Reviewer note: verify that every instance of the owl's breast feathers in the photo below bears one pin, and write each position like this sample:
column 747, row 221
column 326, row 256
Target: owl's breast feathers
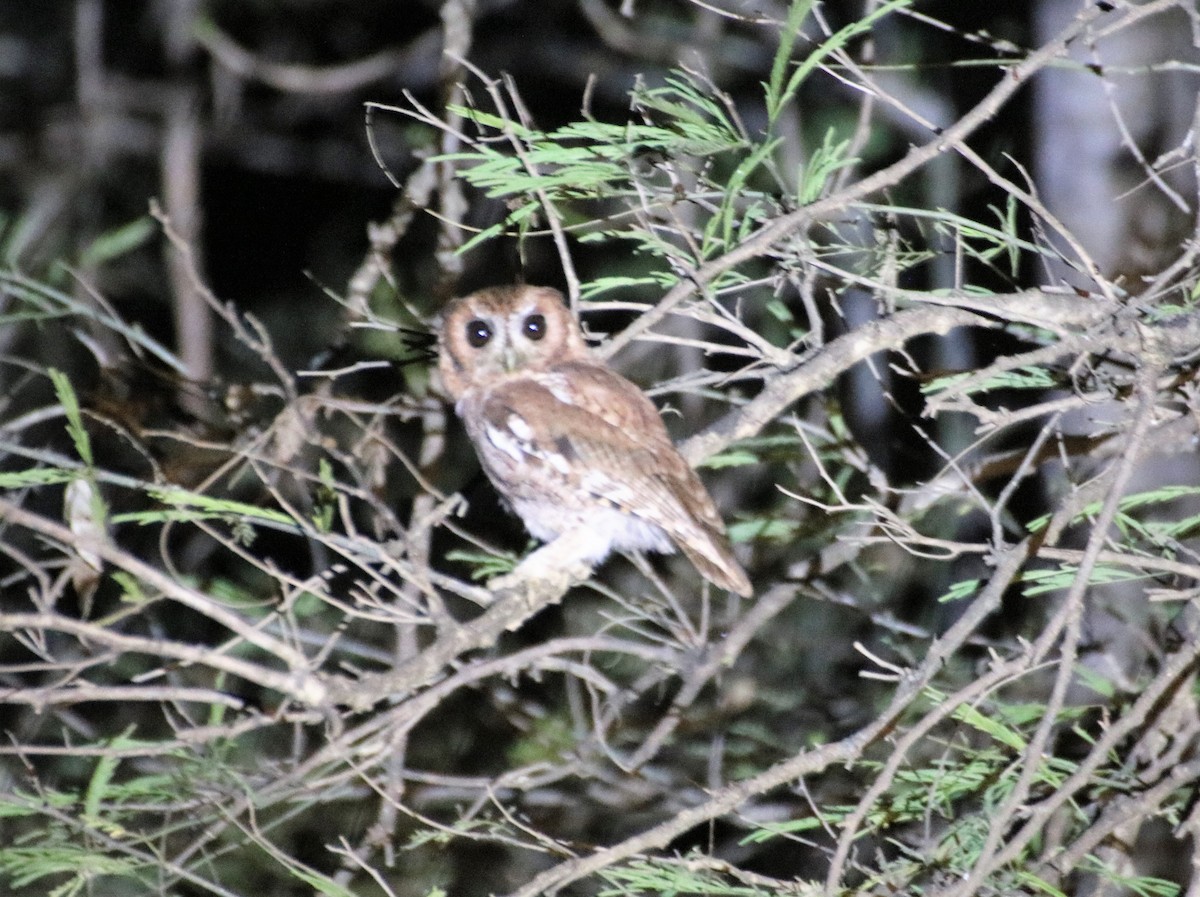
column 577, row 439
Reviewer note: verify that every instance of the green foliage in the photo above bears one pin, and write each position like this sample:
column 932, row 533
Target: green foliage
column 780, row 94
column 70, row 406
column 118, row 242
column 484, row 565
column 98, row 785
column 1141, row 885
column 36, row 302
column 184, row 505
column 966, row 588
column 676, row 877
column 588, row 161
column 325, row 503
column 71, row 838
column 550, row 738
column 1159, row 535
column 81, row 866
column 36, row 476
column 826, row 161
column 972, row 772
column 1020, row 378
column 1039, row 582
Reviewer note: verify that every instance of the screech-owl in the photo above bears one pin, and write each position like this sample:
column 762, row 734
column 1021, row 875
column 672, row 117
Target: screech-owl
column 567, row 441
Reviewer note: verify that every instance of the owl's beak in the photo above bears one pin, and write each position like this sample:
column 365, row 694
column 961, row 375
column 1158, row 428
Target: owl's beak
column 509, row 359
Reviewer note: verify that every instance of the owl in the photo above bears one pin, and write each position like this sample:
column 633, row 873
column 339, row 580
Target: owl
column 568, row 442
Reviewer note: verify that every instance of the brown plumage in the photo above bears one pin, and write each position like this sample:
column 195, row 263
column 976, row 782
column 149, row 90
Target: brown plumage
column 567, row 441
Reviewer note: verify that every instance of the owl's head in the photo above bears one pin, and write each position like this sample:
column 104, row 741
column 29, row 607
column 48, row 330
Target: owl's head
column 495, row 333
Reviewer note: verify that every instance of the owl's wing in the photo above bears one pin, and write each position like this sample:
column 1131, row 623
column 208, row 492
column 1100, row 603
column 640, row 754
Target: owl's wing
column 604, row 438
column 609, row 396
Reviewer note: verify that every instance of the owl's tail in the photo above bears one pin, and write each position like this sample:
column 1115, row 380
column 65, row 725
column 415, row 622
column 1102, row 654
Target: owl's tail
column 713, row 557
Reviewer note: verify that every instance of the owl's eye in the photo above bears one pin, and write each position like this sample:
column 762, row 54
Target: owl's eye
column 478, row 333
column 535, row 327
